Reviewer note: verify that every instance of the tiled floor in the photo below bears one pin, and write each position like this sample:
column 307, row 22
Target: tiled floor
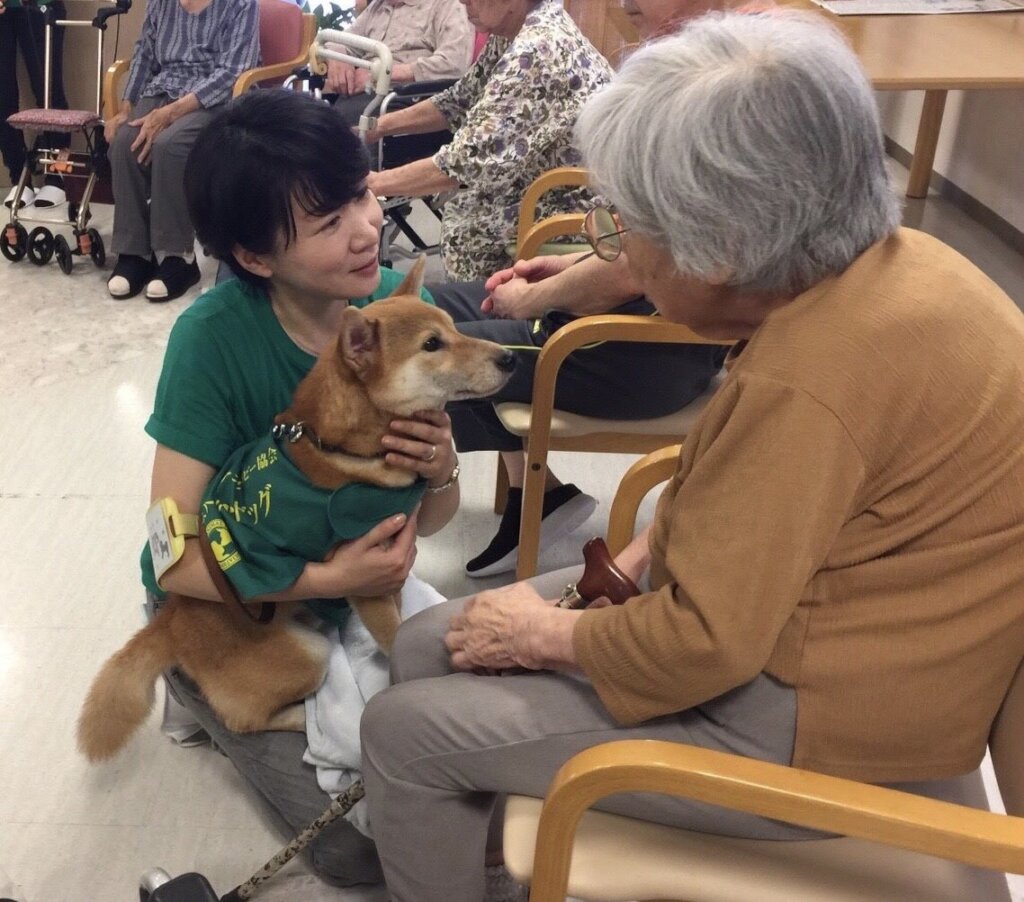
column 77, row 374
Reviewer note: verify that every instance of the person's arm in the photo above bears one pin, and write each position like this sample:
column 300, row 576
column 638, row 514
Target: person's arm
column 576, row 283
column 453, row 47
column 412, row 180
column 418, row 119
column 238, row 49
column 635, row 558
column 374, row 564
column 738, row 535
column 143, row 63
column 344, row 78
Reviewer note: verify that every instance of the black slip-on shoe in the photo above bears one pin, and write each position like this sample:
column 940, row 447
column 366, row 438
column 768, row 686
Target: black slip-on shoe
column 172, row 279
column 130, row 275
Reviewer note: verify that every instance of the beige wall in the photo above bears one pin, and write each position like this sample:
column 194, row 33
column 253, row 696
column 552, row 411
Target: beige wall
column 981, row 146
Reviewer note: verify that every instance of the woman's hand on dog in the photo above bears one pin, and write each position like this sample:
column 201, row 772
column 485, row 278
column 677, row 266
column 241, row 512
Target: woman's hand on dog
column 374, row 564
column 422, row 445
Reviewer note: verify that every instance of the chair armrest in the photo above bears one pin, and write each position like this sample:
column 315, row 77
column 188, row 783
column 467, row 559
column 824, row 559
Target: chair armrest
column 552, row 227
column 586, row 330
column 111, row 79
column 817, row 801
column 562, row 176
column 649, row 471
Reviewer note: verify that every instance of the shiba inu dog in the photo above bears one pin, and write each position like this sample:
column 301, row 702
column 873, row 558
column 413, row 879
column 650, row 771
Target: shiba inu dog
column 392, row 358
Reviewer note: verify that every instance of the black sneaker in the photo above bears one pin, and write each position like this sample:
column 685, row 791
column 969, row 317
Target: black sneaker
column 130, row 275
column 565, row 508
column 172, row 279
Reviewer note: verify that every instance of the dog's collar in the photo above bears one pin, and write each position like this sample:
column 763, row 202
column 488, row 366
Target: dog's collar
column 292, row 432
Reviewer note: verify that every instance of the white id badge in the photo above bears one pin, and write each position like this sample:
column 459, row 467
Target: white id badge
column 165, row 547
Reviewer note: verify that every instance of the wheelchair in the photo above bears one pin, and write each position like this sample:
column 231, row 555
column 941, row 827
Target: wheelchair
column 394, row 150
column 40, row 244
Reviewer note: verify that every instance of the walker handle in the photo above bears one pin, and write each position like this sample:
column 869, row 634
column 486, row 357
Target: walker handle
column 119, row 8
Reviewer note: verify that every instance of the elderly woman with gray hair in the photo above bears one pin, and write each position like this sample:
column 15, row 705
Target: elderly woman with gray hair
column 842, row 535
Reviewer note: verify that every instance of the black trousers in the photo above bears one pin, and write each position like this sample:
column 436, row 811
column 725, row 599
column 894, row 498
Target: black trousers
column 23, row 28
column 614, row 379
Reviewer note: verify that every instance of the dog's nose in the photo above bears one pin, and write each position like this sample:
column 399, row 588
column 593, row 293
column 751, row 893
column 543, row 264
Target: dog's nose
column 506, row 362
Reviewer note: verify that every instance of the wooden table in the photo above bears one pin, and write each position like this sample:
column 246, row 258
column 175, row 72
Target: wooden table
column 935, row 54
column 930, row 53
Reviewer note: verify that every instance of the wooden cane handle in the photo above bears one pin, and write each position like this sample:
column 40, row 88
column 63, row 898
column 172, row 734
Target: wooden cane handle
column 601, row 577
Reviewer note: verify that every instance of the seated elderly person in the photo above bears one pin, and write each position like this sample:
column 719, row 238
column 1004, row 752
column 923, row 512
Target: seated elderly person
column 184, row 66
column 512, row 116
column 522, row 306
column 842, row 534
column 428, row 39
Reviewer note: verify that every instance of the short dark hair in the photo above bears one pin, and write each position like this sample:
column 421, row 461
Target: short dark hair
column 264, row 149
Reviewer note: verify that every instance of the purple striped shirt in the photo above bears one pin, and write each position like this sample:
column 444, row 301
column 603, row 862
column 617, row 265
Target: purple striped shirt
column 202, row 53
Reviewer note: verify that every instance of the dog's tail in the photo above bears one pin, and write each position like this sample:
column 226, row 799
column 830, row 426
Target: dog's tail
column 121, row 696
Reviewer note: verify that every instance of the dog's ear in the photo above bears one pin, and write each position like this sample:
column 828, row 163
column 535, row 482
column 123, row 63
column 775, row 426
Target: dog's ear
column 413, row 281
column 359, row 342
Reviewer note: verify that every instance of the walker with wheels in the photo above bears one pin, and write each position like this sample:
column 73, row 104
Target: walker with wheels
column 40, row 244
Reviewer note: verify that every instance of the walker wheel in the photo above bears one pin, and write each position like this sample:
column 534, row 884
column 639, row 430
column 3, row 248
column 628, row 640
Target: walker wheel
column 63, row 252
column 13, row 241
column 40, row 245
column 96, row 250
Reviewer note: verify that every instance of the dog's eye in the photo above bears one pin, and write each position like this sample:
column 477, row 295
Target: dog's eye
column 433, row 344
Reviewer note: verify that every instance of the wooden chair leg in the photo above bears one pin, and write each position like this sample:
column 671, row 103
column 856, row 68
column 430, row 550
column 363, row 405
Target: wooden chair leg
column 501, row 486
column 533, row 509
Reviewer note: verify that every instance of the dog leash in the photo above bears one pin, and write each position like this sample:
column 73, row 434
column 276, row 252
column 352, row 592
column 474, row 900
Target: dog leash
column 339, row 807
column 225, row 589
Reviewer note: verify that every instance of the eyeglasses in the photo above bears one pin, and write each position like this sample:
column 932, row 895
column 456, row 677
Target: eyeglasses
column 601, row 229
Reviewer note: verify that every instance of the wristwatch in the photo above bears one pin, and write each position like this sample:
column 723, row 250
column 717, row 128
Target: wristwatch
column 454, row 478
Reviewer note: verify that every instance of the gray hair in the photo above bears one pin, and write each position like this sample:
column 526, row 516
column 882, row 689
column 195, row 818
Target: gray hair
column 749, row 147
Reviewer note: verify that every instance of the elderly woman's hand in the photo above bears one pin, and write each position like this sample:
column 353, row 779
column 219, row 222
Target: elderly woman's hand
column 149, row 127
column 345, row 79
column 511, row 627
column 513, row 292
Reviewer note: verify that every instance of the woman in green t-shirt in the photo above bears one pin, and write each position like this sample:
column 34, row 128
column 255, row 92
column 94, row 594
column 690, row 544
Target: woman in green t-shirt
column 276, row 188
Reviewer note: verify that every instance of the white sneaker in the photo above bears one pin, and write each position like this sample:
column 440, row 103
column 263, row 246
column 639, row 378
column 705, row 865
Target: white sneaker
column 50, row 196
column 28, row 196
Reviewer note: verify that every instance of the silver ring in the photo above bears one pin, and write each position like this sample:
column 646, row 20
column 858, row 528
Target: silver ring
column 432, row 455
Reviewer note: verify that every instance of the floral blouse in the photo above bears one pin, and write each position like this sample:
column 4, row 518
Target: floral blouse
column 513, row 114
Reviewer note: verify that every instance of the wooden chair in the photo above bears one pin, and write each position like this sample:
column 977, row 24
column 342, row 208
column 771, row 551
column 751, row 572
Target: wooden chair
column 545, row 429
column 894, row 846
column 285, row 35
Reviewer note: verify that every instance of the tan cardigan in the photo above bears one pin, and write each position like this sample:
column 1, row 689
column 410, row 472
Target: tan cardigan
column 848, row 517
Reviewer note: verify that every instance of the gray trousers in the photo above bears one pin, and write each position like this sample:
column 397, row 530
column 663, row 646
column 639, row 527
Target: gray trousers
column 440, row 748
column 150, row 213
